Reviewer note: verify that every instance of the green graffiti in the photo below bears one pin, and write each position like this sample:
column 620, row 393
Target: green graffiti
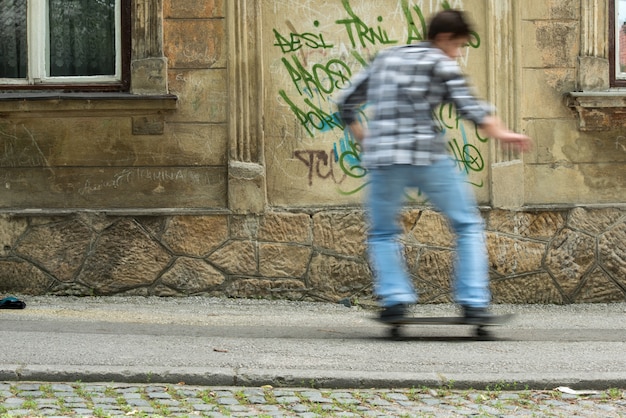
column 296, row 41
column 316, row 82
column 414, row 34
column 322, row 78
column 366, row 35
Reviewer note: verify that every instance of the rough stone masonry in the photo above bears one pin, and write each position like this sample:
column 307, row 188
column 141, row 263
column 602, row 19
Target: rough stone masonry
column 540, row 256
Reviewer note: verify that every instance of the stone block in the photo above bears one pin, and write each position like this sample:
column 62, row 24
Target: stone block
column 550, row 9
column 117, row 187
column 124, row 257
column 202, row 95
column 552, row 137
column 237, row 257
column 550, row 43
column 612, row 252
column 285, row 227
column 436, row 268
column 408, row 219
column 11, row 228
column 178, row 9
column 340, row 232
column 606, row 183
column 567, row 184
column 593, row 74
column 246, row 187
column 429, row 293
column 149, row 76
column 599, row 288
column 58, row 247
column 270, row 289
column 283, row 260
column 195, row 235
column 507, row 184
column 546, row 86
column 333, row 278
column 432, row 229
column 190, row 276
column 148, row 125
column 536, row 225
column 49, row 142
column 594, row 221
column 195, row 43
column 511, row 256
column 570, row 256
column 244, row 227
column 194, row 144
column 536, row 288
column 22, row 277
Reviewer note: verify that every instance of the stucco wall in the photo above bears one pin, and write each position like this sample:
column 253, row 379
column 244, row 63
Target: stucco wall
column 311, row 50
column 225, row 172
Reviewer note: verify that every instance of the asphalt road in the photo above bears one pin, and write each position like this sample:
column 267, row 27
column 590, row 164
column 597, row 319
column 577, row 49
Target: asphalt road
column 210, row 341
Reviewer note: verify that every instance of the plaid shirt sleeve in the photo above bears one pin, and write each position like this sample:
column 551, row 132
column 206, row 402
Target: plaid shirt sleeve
column 458, row 92
column 350, row 102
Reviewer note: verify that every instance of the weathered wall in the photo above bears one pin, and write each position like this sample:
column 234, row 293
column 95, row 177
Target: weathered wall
column 311, row 51
column 568, row 166
column 246, row 185
column 536, row 256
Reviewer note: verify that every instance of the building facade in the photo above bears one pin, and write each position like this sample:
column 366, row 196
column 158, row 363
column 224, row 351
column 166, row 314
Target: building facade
column 215, row 164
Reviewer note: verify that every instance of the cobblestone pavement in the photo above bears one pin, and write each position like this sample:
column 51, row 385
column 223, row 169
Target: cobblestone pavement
column 103, row 400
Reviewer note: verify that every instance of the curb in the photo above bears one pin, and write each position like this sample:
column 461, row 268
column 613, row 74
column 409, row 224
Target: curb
column 305, row 378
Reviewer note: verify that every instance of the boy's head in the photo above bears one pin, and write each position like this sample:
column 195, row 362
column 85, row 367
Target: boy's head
column 450, row 32
column 449, row 21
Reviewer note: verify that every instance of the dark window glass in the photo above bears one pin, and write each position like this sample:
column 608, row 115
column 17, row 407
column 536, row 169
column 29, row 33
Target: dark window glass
column 82, row 37
column 13, row 39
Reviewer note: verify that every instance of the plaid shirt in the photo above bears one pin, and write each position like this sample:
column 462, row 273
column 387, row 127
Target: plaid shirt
column 405, row 85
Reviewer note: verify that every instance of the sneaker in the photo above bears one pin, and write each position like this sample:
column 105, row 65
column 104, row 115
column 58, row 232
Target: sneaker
column 477, row 316
column 393, row 313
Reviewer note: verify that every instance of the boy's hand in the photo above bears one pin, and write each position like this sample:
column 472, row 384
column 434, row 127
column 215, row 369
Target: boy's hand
column 518, row 141
column 357, row 130
column 494, row 128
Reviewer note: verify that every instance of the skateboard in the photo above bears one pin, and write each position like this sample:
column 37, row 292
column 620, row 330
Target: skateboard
column 480, row 329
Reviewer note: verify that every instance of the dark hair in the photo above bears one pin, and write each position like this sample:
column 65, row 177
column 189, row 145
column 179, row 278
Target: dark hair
column 449, row 21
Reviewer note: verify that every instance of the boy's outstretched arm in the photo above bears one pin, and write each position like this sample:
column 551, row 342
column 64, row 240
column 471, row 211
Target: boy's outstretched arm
column 493, row 127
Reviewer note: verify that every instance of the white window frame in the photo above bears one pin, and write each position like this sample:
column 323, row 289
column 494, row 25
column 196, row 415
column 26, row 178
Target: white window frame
column 39, row 50
column 619, row 19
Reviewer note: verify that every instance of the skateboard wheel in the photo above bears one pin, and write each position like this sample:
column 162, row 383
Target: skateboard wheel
column 482, row 333
column 394, row 332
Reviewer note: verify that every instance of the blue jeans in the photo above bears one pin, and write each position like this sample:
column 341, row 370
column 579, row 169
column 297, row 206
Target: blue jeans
column 446, row 189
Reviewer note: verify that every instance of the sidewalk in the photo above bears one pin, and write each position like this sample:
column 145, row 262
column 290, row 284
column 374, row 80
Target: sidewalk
column 229, row 342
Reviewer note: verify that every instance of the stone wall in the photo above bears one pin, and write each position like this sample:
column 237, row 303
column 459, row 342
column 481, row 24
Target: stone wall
column 547, row 256
column 224, row 171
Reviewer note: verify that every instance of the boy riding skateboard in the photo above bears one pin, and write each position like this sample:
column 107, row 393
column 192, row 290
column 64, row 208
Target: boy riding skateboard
column 403, row 147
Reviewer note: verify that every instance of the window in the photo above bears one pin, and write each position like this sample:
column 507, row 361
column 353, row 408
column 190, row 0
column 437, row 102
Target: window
column 617, row 42
column 64, row 44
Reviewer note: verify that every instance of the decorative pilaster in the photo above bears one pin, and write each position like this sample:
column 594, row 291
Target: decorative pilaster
column 148, row 65
column 593, row 28
column 593, row 62
column 507, row 169
column 246, row 172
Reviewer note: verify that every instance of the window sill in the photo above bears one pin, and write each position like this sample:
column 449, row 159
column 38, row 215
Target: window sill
column 599, row 110
column 33, row 104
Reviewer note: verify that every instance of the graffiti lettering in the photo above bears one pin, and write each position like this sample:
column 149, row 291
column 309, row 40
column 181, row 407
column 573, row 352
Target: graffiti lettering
column 413, row 33
column 315, row 119
column 316, row 81
column 322, row 78
column 467, row 156
column 316, row 160
column 295, row 41
column 350, row 161
column 365, row 34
